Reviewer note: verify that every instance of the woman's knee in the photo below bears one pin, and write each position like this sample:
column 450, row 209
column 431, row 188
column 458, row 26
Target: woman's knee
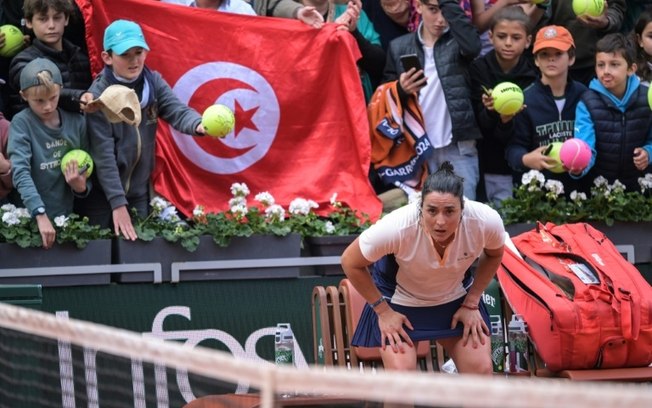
column 399, row 361
column 474, row 363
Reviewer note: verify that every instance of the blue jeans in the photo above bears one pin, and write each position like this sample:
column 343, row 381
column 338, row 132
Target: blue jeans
column 464, row 158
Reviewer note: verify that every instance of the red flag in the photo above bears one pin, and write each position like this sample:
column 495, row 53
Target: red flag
column 301, row 124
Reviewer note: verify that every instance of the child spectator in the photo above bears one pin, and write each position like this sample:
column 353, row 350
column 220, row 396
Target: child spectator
column 48, row 19
column 445, row 43
column 510, row 36
column 643, row 32
column 482, row 14
column 39, row 136
column 613, row 116
column 124, row 154
column 550, row 102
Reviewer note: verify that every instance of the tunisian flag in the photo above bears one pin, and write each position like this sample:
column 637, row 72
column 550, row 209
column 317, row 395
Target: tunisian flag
column 301, row 127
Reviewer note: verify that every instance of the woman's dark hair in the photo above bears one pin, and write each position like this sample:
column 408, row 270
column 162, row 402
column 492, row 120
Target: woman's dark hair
column 643, row 69
column 444, row 180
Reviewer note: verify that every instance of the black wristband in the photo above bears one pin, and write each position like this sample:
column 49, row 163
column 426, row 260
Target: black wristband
column 378, row 302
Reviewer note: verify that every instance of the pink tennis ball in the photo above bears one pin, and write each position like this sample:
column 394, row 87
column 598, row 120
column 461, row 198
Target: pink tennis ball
column 575, row 154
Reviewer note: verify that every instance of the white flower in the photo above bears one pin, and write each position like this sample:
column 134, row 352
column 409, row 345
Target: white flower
column 334, row 199
column 330, row 228
column 170, row 214
column 265, row 198
column 8, row 208
column 531, row 175
column 645, row 182
column 238, row 202
column 239, row 190
column 239, row 210
column 159, row 204
column 10, row 218
column 301, row 206
column 600, row 181
column 555, row 186
column 618, row 187
column 198, row 211
column 22, row 213
column 575, row 196
column 61, row 221
column 275, row 213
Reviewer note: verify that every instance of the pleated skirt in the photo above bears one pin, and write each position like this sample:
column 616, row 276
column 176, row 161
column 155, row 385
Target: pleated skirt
column 429, row 322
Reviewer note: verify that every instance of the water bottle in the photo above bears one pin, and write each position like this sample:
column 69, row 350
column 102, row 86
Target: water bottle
column 284, row 344
column 497, row 344
column 518, row 344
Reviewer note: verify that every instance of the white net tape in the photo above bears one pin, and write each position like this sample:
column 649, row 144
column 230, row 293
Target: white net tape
column 431, row 389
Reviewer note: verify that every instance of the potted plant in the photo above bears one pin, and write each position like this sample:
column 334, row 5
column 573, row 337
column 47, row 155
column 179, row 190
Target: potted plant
column 77, row 243
column 622, row 215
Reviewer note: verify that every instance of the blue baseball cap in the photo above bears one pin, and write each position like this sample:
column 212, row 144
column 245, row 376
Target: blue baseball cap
column 29, row 74
column 121, row 35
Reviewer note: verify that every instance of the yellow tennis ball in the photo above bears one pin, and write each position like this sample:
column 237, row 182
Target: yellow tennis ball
column 83, row 159
column 649, row 96
column 554, row 153
column 13, row 40
column 537, row 1
column 508, row 98
column 593, row 8
column 218, row 120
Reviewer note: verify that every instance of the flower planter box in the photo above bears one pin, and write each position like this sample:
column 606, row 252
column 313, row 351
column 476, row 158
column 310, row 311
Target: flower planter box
column 328, row 246
column 167, row 253
column 18, row 263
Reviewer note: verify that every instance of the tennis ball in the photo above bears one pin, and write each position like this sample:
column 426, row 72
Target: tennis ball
column 13, row 40
column 649, row 96
column 82, row 158
column 554, row 153
column 537, row 1
column 508, row 98
column 593, row 8
column 575, row 154
column 218, row 120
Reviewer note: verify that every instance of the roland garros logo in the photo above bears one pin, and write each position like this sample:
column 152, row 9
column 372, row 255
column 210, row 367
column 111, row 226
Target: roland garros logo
column 256, row 111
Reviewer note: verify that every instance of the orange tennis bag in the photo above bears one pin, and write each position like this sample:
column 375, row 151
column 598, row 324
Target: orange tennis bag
column 585, row 305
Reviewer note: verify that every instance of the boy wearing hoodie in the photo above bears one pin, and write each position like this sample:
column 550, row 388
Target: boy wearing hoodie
column 550, row 102
column 613, row 116
column 510, row 36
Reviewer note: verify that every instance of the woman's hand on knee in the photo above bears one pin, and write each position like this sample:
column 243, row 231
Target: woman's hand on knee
column 474, row 326
column 392, row 330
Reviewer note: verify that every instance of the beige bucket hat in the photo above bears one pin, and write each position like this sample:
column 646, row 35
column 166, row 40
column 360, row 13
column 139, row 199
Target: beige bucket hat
column 120, row 104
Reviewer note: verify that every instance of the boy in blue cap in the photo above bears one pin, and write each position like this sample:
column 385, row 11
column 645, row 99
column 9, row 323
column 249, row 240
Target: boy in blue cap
column 124, row 152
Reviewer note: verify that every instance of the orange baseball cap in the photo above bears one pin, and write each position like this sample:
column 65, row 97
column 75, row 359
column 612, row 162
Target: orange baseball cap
column 553, row 37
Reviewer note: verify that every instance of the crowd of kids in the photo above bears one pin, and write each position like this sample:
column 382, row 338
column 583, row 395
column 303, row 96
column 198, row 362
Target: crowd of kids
column 588, row 81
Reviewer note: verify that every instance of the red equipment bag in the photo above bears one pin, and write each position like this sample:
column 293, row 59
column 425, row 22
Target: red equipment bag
column 585, row 305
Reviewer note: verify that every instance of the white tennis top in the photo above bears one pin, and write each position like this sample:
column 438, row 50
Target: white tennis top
column 424, row 278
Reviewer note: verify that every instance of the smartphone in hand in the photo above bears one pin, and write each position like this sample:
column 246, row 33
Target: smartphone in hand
column 410, row 61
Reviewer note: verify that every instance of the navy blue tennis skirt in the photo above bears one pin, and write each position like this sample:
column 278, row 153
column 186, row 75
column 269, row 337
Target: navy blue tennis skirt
column 429, row 322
